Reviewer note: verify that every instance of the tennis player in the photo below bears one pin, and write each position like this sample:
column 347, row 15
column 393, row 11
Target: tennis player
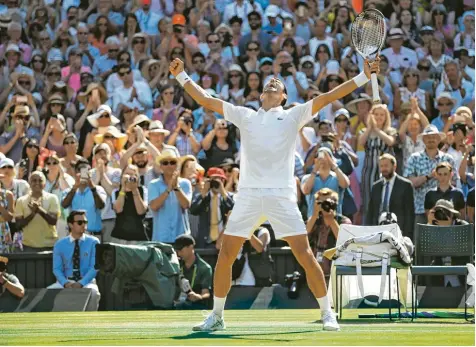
column 266, row 190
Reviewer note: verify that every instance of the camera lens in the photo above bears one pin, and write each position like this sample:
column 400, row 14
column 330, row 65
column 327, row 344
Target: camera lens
column 214, row 184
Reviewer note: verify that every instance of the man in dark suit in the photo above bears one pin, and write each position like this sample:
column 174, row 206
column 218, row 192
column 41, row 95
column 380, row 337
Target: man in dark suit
column 213, row 204
column 392, row 193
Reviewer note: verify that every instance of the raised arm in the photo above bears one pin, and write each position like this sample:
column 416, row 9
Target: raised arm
column 346, row 88
column 194, row 90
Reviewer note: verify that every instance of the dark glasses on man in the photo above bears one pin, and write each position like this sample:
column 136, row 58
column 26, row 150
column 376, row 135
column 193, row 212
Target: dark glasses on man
column 423, row 67
column 124, row 73
column 445, row 104
column 213, row 41
column 81, row 222
column 52, row 163
column 105, row 115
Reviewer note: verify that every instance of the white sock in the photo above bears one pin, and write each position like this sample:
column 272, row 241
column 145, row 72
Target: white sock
column 324, row 303
column 218, row 305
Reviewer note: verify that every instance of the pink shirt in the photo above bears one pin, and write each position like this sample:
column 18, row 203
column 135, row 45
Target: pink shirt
column 75, row 79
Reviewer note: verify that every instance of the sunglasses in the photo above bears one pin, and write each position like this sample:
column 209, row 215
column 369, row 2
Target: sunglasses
column 167, row 162
column 25, row 118
column 177, row 52
column 37, row 61
column 24, row 83
column 256, row 49
column 81, row 222
column 69, row 143
column 138, row 41
column 341, row 119
column 108, row 137
column 411, row 75
column 82, row 33
column 423, row 67
column 54, row 74
column 122, row 74
column 53, row 163
column 31, row 145
column 213, row 41
column 334, row 79
column 113, row 50
column 8, row 167
column 445, row 104
column 105, row 115
column 198, row 61
column 144, row 125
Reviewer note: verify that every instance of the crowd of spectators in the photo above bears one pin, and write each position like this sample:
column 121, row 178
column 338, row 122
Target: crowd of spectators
column 92, row 119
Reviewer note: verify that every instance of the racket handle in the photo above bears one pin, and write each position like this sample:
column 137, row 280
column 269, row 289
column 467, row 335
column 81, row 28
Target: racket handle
column 375, row 92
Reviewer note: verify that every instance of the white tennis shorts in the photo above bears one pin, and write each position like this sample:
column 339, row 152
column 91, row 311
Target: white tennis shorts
column 253, row 206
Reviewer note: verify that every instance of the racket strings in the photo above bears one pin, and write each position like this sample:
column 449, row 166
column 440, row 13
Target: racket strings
column 368, row 32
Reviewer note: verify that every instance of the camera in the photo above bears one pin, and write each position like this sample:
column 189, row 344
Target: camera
column 387, row 218
column 3, row 266
column 177, row 29
column 187, row 120
column 227, row 39
column 132, row 179
column 24, row 163
column 441, row 214
column 185, row 285
column 293, row 282
column 214, row 184
column 284, row 69
column 328, row 205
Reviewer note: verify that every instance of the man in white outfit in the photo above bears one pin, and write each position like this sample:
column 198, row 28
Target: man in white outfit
column 266, row 190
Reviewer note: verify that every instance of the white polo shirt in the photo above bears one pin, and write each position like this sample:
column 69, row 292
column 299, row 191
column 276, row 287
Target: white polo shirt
column 268, row 143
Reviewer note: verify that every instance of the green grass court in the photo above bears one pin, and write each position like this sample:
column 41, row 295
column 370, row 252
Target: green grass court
column 244, row 327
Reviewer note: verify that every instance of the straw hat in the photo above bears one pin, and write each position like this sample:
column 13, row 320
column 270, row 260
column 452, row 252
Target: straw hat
column 56, row 99
column 139, row 119
column 432, row 130
column 167, row 154
column 146, row 67
column 121, row 139
column 62, row 87
column 93, row 119
column 156, row 126
column 352, row 105
column 93, row 86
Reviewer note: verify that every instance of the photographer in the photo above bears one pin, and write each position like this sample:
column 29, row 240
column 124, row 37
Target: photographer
column 323, row 226
column 8, row 282
column 444, row 214
column 130, row 205
column 213, row 204
column 219, row 144
column 295, row 82
column 184, row 137
column 85, row 195
column 196, row 280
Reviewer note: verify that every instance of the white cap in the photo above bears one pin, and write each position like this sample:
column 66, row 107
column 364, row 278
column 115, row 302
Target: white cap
column 6, row 162
column 272, row 11
column 332, row 67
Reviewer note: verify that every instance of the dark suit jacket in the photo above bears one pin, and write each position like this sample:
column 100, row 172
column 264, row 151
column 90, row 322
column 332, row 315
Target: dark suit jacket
column 201, row 207
column 400, row 203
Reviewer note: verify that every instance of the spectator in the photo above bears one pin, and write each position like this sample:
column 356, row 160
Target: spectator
column 443, row 30
column 108, row 177
column 219, row 144
column 29, row 162
column 445, row 102
column 11, row 142
column 387, row 196
column 89, row 52
column 460, row 90
column 411, row 89
column 466, row 38
column 74, row 258
column 213, row 204
column 103, row 65
column 148, row 20
column 322, row 37
column 130, row 204
column 444, row 190
column 253, row 89
column 54, row 135
column 323, row 226
column 184, row 137
column 378, row 138
column 85, row 195
column 233, row 90
column 419, row 169
column 70, row 143
column 470, row 206
column 36, row 214
column 437, row 57
column 100, row 122
column 169, row 199
column 242, row 9
column 410, row 131
column 196, row 271
column 116, row 141
column 168, row 112
column 157, row 135
column 8, row 282
column 256, row 34
column 325, row 174
column 6, row 216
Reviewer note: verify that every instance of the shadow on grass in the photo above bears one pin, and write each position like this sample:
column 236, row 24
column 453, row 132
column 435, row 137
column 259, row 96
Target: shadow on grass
column 206, row 335
column 376, row 321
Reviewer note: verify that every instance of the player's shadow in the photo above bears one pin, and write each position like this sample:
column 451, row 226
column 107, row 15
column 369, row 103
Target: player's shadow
column 207, row 335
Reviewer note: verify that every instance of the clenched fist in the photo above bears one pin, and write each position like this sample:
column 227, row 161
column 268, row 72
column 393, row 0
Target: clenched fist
column 176, row 67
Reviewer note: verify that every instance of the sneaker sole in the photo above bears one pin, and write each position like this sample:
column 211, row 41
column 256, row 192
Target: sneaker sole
column 207, row 331
column 331, row 329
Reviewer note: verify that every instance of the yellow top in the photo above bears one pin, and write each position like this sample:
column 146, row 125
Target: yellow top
column 38, row 233
column 353, row 122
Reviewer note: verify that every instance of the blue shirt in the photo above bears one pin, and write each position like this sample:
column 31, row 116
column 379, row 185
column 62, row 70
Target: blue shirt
column 63, row 259
column 115, row 17
column 439, row 123
column 330, row 182
column 148, row 22
column 103, row 64
column 171, row 220
column 85, row 201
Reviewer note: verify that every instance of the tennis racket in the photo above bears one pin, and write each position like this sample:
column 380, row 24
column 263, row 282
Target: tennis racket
column 368, row 33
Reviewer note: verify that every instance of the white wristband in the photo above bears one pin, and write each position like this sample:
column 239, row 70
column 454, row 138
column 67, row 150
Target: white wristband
column 183, row 78
column 360, row 79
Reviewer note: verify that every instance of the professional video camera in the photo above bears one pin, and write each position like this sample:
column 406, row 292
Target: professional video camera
column 293, row 282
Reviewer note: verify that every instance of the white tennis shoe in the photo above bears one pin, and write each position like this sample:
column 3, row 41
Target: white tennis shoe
column 211, row 323
column 329, row 321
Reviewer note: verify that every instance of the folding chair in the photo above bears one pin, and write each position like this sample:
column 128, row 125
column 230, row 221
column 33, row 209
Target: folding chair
column 442, row 241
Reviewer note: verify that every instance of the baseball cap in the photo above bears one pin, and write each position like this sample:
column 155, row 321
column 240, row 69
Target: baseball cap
column 183, row 241
column 395, row 33
column 179, row 19
column 6, row 162
column 342, row 112
column 272, row 11
column 442, row 203
column 266, row 60
column 216, row 172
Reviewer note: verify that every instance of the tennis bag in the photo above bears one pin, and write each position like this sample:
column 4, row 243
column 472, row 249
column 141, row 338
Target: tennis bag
column 374, row 250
